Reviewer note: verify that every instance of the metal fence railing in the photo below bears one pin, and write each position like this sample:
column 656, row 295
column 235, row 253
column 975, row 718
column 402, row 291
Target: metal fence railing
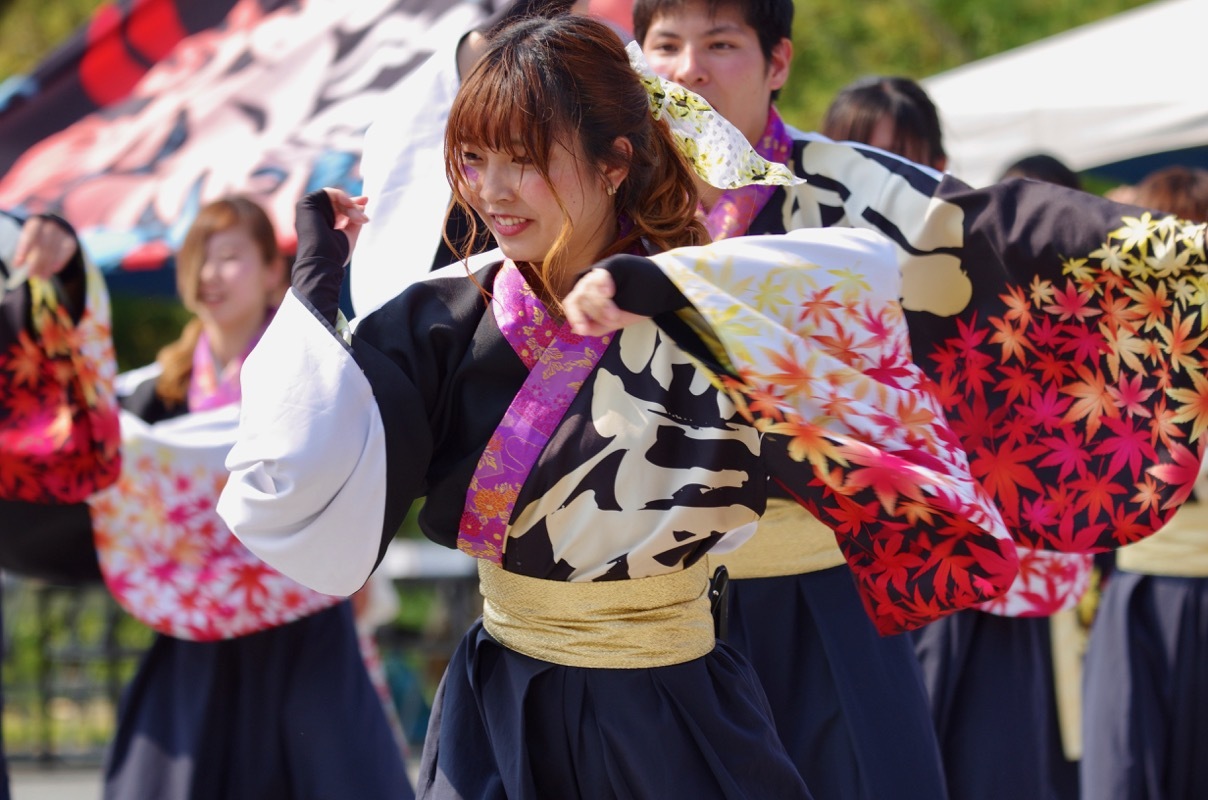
column 69, row 652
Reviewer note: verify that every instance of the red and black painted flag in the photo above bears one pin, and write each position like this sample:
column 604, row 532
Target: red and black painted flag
column 158, row 106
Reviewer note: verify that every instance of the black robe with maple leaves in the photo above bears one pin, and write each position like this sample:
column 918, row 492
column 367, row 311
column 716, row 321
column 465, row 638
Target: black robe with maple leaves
column 40, row 536
column 1055, row 378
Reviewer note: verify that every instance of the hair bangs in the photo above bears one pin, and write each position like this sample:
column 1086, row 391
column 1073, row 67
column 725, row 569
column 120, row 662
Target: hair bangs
column 507, row 105
column 217, row 217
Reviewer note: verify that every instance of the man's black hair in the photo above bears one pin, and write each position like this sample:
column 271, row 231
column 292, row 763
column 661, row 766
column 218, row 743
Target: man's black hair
column 772, row 20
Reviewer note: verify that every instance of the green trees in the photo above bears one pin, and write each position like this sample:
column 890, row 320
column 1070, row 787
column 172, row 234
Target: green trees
column 837, row 41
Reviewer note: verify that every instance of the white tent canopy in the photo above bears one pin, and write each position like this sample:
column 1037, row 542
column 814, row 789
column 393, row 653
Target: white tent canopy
column 1124, row 87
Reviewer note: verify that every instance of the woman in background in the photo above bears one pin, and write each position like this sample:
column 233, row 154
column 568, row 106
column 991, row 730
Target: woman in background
column 890, row 112
column 253, row 688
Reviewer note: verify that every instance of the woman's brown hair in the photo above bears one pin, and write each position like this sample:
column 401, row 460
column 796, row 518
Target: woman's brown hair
column 176, row 358
column 567, row 80
column 858, row 107
column 1182, row 191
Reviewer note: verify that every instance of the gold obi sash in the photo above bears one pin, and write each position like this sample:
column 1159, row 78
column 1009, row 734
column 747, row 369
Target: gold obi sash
column 626, row 624
column 788, row 541
column 1178, row 550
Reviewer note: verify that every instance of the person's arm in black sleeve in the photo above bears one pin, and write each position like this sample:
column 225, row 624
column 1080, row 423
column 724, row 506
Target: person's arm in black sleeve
column 71, row 274
column 641, row 287
column 318, row 270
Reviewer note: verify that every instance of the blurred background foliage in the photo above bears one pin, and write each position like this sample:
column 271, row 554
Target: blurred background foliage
column 835, row 42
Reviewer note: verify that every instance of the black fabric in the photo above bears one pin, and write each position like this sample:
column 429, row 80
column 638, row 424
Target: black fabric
column 990, row 680
column 641, row 287
column 1145, row 712
column 5, row 790
column 454, row 373
column 287, row 714
column 318, row 270
column 71, row 278
column 403, row 469
column 849, row 704
column 508, row 726
column 457, row 230
column 417, row 351
column 145, row 402
column 52, row 543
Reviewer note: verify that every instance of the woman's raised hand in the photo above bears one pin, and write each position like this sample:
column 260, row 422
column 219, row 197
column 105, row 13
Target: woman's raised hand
column 590, row 309
column 44, row 247
column 350, row 213
column 327, row 222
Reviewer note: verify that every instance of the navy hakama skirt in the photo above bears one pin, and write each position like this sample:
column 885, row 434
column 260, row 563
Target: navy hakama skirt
column 505, row 725
column 849, row 704
column 990, row 680
column 1145, row 718
column 287, row 713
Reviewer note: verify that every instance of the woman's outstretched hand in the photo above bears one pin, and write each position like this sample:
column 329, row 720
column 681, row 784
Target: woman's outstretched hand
column 590, row 309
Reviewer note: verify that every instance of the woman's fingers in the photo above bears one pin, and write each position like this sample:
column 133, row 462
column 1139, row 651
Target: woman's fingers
column 350, row 213
column 349, row 210
column 43, row 248
column 590, row 309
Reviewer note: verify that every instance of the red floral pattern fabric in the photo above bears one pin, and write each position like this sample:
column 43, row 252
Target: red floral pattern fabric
column 167, row 557
column 1063, row 333
column 1082, row 403
column 816, row 346
column 59, row 437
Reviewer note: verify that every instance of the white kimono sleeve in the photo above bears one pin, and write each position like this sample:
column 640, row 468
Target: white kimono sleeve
column 307, row 490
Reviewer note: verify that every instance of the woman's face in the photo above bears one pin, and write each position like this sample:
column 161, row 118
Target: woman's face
column 522, row 209
column 234, row 285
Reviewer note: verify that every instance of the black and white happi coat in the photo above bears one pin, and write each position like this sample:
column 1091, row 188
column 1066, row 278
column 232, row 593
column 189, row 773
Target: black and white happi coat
column 409, row 407
column 652, row 464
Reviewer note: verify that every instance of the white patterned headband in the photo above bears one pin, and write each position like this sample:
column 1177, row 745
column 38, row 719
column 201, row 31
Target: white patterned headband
column 717, row 151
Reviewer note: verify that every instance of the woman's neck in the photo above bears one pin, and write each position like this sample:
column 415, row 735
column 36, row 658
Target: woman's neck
column 228, row 343
column 564, row 275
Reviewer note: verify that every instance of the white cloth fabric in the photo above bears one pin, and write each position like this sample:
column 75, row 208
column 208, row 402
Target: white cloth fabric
column 404, row 172
column 308, row 471
column 1084, row 96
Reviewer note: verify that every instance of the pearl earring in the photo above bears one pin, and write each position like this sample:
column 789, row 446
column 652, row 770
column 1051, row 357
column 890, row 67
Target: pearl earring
column 611, row 190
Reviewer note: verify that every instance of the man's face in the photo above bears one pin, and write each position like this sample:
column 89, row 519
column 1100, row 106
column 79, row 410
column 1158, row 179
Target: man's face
column 718, row 57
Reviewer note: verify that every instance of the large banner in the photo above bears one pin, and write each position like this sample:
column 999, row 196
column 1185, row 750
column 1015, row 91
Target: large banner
column 159, row 106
